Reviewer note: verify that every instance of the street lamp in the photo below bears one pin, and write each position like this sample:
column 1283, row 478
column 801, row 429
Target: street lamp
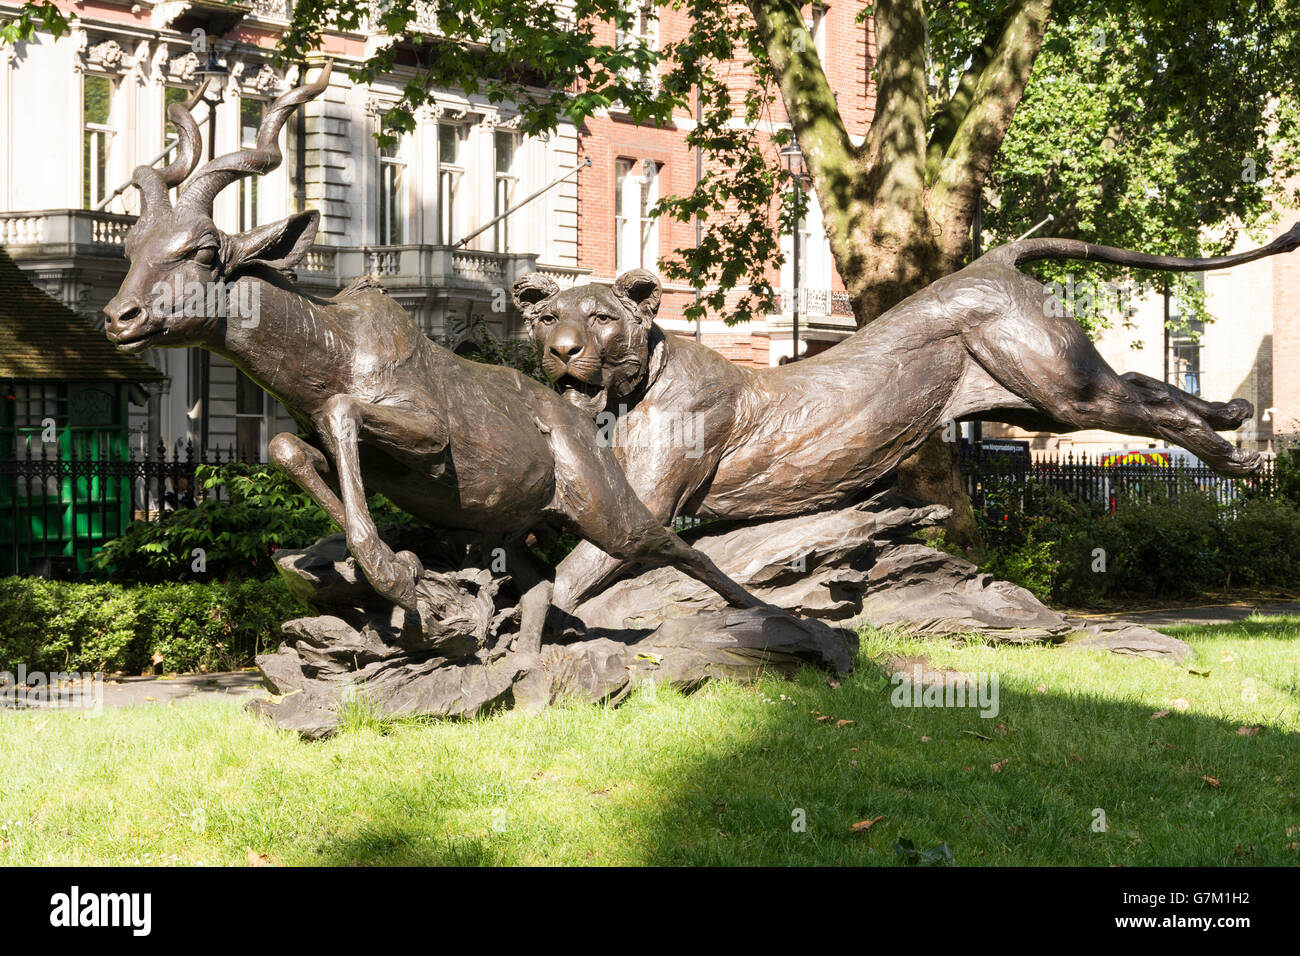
column 212, row 78
column 795, row 166
column 212, row 87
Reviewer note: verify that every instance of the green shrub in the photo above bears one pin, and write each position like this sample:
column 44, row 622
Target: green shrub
column 196, row 626
column 1163, row 546
column 265, row 511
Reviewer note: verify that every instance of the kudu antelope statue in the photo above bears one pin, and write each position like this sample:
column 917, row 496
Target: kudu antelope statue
column 457, row 444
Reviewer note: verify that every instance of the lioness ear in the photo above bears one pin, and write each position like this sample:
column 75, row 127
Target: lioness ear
column 277, row 244
column 642, row 290
column 532, row 288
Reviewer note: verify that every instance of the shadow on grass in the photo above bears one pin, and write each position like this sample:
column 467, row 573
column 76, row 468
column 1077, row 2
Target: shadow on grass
column 1058, row 778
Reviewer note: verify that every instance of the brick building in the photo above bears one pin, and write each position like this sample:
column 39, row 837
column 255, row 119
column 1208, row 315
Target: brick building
column 633, row 165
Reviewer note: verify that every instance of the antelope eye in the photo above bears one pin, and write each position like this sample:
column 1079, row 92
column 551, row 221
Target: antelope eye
column 206, row 256
column 546, row 319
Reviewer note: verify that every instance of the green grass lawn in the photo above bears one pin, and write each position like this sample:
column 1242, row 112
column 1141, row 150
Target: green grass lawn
column 716, row 777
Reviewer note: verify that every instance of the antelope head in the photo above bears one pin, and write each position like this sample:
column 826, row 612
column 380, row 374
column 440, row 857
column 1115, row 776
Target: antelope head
column 182, row 249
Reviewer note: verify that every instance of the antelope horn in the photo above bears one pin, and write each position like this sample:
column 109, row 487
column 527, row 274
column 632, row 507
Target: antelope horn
column 262, row 158
column 154, row 183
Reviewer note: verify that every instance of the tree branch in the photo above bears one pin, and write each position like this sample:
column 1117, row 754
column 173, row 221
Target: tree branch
column 960, row 172
column 896, row 145
column 810, row 104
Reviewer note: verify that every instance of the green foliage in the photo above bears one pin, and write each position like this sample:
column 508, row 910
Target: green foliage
column 512, row 353
column 265, row 511
column 22, row 28
column 65, row 626
column 1164, row 546
column 1140, row 128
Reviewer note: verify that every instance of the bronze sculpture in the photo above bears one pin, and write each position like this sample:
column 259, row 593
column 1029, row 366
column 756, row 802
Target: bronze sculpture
column 699, row 435
column 457, row 444
column 486, row 455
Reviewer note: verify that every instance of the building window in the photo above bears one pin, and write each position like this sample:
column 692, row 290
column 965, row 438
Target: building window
column 250, row 418
column 636, row 233
column 251, row 112
column 1185, row 345
column 817, row 28
column 97, row 138
column 643, row 31
column 451, row 175
column 507, row 148
column 172, row 94
column 393, row 194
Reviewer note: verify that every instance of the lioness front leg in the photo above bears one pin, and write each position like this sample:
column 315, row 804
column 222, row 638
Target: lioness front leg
column 343, row 419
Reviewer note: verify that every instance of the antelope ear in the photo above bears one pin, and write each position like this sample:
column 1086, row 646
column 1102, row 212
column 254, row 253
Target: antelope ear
column 531, row 289
column 277, row 244
column 641, row 289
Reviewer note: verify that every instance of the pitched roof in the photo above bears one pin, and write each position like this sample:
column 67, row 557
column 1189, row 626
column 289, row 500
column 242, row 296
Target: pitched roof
column 41, row 339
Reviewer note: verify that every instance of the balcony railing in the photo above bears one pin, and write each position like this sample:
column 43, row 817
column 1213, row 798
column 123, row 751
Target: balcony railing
column 65, row 231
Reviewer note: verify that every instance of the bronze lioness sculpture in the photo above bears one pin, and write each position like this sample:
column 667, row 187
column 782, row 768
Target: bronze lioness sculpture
column 699, row 435
column 457, row 444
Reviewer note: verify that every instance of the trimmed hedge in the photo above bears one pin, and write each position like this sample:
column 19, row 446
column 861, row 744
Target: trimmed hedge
column 1164, row 547
column 195, row 626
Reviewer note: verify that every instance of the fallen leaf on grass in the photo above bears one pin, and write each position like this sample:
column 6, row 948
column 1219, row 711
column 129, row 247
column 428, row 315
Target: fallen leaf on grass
column 862, row 825
column 1179, row 704
column 1249, row 730
column 997, row 767
column 842, row 723
column 258, row 859
column 975, row 733
column 1041, row 688
column 1159, row 713
column 823, row 717
column 1212, row 781
column 1198, row 672
column 925, row 739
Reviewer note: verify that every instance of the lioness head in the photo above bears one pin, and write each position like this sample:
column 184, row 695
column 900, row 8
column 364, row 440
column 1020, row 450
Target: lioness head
column 593, row 340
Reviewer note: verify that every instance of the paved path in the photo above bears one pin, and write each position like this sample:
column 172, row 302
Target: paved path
column 1207, row 614
column 135, row 691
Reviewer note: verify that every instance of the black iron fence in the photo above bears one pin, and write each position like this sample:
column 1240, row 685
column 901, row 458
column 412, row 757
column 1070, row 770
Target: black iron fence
column 57, row 510
column 1105, row 478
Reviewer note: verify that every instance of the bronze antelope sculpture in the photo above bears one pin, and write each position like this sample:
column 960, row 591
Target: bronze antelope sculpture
column 698, row 434
column 457, row 444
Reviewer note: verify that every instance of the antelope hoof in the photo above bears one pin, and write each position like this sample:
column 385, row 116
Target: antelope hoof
column 394, row 576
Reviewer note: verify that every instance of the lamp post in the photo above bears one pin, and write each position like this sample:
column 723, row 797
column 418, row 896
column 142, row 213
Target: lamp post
column 212, row 80
column 794, row 164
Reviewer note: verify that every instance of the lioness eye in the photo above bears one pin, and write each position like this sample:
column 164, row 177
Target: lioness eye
column 604, row 318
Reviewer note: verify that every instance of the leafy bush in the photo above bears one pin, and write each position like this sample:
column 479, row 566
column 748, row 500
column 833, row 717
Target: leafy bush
column 1163, row 546
column 66, row 626
column 265, row 511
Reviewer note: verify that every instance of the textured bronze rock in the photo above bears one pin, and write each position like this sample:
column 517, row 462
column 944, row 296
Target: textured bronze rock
column 699, row 435
column 359, row 648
